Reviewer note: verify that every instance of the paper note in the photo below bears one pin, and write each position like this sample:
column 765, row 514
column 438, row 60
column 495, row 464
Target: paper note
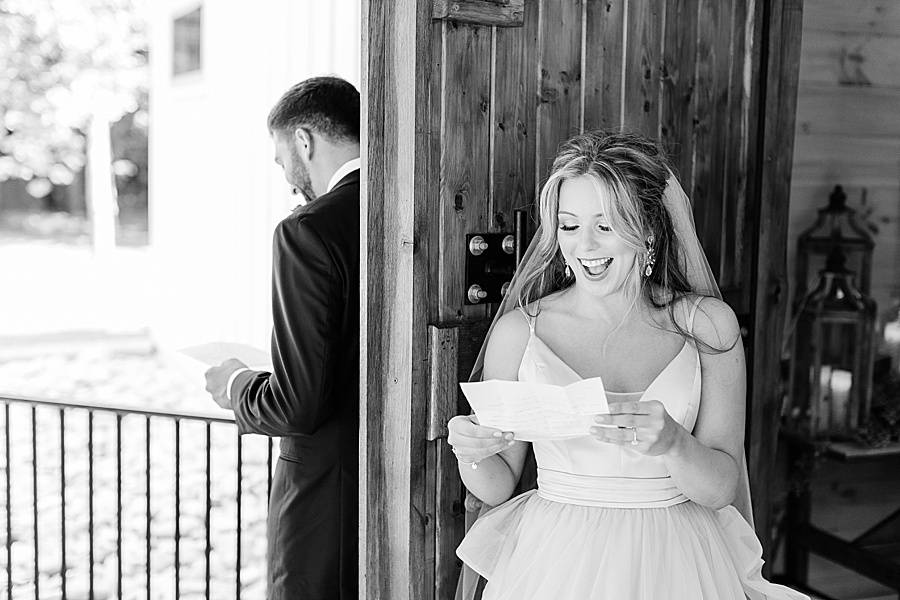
column 215, row 353
column 536, row 411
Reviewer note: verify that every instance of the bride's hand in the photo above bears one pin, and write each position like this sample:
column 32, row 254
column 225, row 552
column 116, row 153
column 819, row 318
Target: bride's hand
column 472, row 442
column 645, row 427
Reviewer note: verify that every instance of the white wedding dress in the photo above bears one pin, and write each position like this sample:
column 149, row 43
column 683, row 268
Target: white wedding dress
column 608, row 523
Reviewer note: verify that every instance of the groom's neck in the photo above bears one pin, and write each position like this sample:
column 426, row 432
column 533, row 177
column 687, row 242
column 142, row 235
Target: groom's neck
column 331, row 158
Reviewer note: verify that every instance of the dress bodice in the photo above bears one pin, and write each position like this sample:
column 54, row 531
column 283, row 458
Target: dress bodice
column 585, row 471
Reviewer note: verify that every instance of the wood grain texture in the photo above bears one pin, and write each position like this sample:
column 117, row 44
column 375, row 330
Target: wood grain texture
column 676, row 107
column 643, row 57
column 733, row 276
column 514, row 121
column 857, row 111
column 710, row 126
column 450, row 523
column 445, row 525
column 442, row 383
column 780, row 70
column 865, row 16
column 604, row 47
column 505, row 13
column 839, row 58
column 465, row 158
column 559, row 109
column 392, row 446
column 828, row 160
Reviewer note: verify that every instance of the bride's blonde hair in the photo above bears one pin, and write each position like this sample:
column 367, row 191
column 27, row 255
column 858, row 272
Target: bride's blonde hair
column 635, row 171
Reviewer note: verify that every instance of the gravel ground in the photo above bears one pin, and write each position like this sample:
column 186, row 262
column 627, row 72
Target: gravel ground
column 139, row 379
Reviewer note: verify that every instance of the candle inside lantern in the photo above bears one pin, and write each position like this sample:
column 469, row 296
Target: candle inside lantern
column 841, row 382
column 823, row 407
column 892, row 342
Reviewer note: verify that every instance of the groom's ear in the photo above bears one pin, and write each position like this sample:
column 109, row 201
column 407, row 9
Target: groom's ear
column 303, row 138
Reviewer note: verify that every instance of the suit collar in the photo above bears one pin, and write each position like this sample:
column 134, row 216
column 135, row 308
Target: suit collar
column 342, row 171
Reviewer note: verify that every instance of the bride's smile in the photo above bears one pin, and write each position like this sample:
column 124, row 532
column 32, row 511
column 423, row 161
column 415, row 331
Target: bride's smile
column 595, row 254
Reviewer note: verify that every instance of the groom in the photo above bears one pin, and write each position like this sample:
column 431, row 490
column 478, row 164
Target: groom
column 311, row 399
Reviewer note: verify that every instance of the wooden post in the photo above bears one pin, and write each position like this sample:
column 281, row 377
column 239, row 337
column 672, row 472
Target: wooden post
column 394, row 341
column 779, row 72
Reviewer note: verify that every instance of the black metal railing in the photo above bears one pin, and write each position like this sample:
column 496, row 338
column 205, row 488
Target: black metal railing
column 22, row 582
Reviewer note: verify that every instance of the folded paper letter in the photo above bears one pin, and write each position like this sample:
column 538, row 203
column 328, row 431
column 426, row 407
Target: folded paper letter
column 214, row 353
column 537, row 411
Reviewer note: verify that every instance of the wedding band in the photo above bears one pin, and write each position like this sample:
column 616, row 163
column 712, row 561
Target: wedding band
column 634, row 440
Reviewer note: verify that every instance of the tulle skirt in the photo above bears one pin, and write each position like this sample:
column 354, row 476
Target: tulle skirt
column 534, row 548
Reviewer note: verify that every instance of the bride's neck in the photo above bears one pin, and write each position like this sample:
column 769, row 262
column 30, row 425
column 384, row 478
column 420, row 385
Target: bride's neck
column 611, row 307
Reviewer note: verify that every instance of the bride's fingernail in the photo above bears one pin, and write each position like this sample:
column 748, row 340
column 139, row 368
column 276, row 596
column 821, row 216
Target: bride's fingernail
column 497, row 434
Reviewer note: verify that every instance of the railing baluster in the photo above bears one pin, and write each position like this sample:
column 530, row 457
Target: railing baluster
column 34, row 491
column 62, row 494
column 147, row 510
column 119, row 506
column 177, row 507
column 9, row 589
column 208, row 502
column 240, row 468
column 62, row 408
column 90, row 504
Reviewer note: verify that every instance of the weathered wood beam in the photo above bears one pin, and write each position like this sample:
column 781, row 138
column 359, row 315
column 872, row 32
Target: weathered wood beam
column 779, row 64
column 393, row 338
column 501, row 13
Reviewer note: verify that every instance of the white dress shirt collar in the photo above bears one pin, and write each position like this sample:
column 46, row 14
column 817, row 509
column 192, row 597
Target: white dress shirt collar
column 344, row 170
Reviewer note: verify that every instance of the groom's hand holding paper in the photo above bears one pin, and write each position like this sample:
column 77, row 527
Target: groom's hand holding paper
column 535, row 411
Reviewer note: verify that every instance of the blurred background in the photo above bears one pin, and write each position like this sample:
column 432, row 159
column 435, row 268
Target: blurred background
column 138, row 194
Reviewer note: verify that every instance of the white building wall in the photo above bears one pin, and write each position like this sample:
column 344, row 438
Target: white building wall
column 215, row 191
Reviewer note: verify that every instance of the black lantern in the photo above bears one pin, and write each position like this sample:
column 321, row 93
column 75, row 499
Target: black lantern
column 831, row 375
column 835, row 226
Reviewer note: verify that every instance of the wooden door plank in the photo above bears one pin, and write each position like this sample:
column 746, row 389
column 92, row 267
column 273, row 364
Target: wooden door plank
column 448, row 518
column 676, row 105
column 465, row 158
column 643, row 57
column 514, row 120
column 559, row 109
column 710, row 131
column 733, row 278
column 604, row 36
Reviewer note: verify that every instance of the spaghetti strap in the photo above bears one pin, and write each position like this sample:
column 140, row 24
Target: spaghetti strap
column 693, row 313
column 528, row 319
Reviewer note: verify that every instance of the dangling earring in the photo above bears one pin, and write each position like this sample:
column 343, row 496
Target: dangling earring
column 568, row 272
column 651, row 257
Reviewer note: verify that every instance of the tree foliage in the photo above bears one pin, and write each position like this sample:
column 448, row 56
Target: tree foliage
column 63, row 62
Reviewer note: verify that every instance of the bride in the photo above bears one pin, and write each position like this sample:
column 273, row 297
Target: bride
column 654, row 503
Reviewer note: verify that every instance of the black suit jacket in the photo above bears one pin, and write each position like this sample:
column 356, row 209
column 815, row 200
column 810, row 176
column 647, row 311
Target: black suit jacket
column 311, row 399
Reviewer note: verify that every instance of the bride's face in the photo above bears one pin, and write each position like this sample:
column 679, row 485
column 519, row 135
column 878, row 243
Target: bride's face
column 600, row 260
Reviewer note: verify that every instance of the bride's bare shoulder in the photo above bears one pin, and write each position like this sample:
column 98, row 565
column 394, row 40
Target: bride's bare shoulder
column 506, row 346
column 715, row 323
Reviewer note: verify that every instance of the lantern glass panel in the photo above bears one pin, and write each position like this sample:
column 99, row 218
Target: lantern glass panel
column 832, row 359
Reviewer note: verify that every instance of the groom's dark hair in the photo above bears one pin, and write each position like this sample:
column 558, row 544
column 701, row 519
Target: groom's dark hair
column 326, row 105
